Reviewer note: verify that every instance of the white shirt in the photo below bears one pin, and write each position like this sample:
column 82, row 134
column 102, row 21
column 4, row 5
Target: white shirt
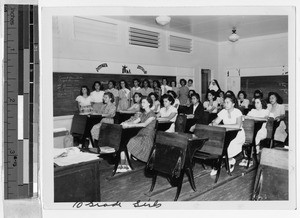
column 84, row 101
column 97, row 97
column 165, row 88
column 259, row 113
column 165, row 113
column 223, row 114
column 245, row 103
column 208, row 107
column 276, row 111
column 195, row 107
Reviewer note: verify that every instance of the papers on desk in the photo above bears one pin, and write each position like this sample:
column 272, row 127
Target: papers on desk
column 106, row 150
column 68, row 156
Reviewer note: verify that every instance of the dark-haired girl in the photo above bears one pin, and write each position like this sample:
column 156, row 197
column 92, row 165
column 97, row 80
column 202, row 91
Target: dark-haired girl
column 124, row 96
column 232, row 118
column 84, row 101
column 156, row 103
column 97, row 96
column 183, row 93
column 108, row 112
column 242, row 100
column 140, row 146
column 146, row 90
column 168, row 112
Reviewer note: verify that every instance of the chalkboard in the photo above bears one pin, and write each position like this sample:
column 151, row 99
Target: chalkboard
column 66, row 87
column 266, row 84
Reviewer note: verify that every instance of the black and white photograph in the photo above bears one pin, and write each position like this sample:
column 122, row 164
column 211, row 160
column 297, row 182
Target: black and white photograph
column 166, row 107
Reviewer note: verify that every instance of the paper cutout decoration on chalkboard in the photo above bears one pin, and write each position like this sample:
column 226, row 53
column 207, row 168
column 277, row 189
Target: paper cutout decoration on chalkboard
column 100, row 66
column 142, row 69
column 125, row 70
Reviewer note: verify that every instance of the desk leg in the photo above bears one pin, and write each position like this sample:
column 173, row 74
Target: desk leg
column 117, row 161
column 128, row 158
column 227, row 163
column 190, row 174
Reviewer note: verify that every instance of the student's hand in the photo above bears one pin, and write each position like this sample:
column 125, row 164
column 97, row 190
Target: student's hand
column 192, row 129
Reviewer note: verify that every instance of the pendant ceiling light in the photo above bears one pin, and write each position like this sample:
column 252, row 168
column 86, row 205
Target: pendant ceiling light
column 233, row 37
column 163, row 20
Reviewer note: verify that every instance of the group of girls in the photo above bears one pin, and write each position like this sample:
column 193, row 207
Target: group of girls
column 162, row 102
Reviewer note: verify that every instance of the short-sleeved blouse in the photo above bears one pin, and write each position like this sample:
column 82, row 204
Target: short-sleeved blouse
column 276, row 111
column 114, row 91
column 83, row 102
column 259, row 113
column 208, row 107
column 223, row 114
column 164, row 112
column 97, row 97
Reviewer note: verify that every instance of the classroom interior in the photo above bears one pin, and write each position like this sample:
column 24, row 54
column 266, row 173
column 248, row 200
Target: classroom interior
column 84, row 42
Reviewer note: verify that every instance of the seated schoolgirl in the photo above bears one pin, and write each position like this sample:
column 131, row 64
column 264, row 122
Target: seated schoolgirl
column 232, row 118
column 168, row 112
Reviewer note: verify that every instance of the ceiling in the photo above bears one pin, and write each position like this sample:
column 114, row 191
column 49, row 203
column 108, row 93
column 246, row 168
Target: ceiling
column 217, row 28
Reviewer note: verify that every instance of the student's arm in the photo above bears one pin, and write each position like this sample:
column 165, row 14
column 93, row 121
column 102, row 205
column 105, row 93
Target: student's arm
column 168, row 118
column 111, row 113
column 136, row 123
column 282, row 114
column 237, row 125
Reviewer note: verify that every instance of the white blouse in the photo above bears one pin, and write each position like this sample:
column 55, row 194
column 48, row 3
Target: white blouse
column 97, row 97
column 165, row 113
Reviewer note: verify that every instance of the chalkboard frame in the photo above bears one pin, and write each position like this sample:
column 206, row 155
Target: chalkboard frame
column 66, row 87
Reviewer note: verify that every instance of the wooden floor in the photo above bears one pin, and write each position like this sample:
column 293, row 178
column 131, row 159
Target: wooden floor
column 135, row 185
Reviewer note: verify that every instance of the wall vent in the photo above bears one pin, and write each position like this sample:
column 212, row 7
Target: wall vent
column 180, row 44
column 94, row 30
column 144, row 38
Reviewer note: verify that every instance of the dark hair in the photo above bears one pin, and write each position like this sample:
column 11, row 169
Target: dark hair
column 241, row 92
column 232, row 98
column 182, row 80
column 113, row 82
column 111, row 96
column 93, row 87
column 136, row 93
column 190, row 80
column 213, row 93
column 259, row 92
column 87, row 89
column 196, row 95
column 150, row 101
column 229, row 92
column 126, row 84
column 279, row 99
column 171, row 92
column 169, row 97
column 165, row 79
column 263, row 103
column 146, row 80
column 193, row 92
column 173, row 81
column 222, row 93
column 157, row 82
column 155, row 95
column 136, row 79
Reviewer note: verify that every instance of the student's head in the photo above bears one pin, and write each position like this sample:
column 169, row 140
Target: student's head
column 172, row 93
column 156, row 84
column 258, row 94
column 230, row 102
column 151, row 83
column 136, row 82
column 221, row 94
column 97, row 86
column 164, row 81
column 211, row 95
column 173, row 83
column 260, row 104
column 84, row 90
column 146, row 83
column 242, row 95
column 182, row 82
column 147, row 102
column 123, row 84
column 191, row 92
column 108, row 97
column 111, row 84
column 229, row 92
column 167, row 100
column 153, row 96
column 137, row 97
column 195, row 98
column 190, row 82
column 274, row 97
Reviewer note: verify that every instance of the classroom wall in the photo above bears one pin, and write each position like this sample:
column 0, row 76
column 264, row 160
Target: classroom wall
column 83, row 54
column 257, row 56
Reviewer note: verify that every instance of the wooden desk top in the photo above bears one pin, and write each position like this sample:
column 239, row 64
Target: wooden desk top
column 191, row 137
column 163, row 120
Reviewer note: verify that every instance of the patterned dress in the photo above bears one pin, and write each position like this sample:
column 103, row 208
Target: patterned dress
column 110, row 109
column 140, row 146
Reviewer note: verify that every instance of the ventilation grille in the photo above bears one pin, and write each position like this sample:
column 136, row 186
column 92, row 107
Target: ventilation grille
column 143, row 38
column 180, row 44
column 95, row 30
